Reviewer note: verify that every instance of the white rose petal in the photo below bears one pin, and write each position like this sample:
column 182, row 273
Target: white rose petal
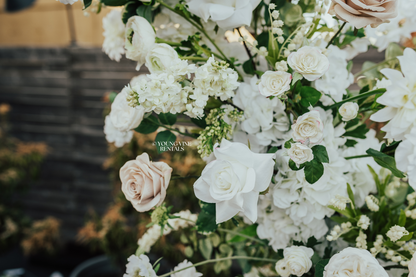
column 298, row 259
column 300, row 153
column 160, row 58
column 274, row 83
column 282, row 269
column 348, row 111
column 309, row 61
column 308, row 127
column 233, row 181
column 139, row 266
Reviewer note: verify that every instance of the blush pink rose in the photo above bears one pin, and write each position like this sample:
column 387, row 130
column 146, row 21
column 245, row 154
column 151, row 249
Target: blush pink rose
column 362, row 13
column 144, row 183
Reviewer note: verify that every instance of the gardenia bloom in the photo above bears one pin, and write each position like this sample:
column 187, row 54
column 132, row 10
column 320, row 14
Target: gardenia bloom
column 354, row 262
column 122, row 115
column 300, row 153
column 399, row 99
column 361, row 13
column 67, row 1
column 348, row 111
column 144, row 183
column 114, row 30
column 228, row 14
column 309, row 61
column 233, row 181
column 274, row 83
column 112, row 134
column 405, row 157
column 139, row 267
column 308, row 127
column 139, row 39
column 190, row 272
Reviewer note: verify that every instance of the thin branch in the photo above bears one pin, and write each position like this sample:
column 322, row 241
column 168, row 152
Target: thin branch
column 337, row 33
column 247, row 50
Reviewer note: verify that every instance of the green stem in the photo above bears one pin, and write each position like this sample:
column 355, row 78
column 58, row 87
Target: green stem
column 171, row 43
column 357, row 157
column 337, row 33
column 175, row 130
column 219, row 260
column 374, row 66
column 194, row 58
column 241, row 235
column 363, row 95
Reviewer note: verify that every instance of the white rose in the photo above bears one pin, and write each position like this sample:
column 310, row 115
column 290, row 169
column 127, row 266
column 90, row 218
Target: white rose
column 309, row 61
column 160, row 58
column 412, row 266
column 300, row 153
column 354, row 262
column 123, row 116
column 274, row 83
column 308, row 127
column 233, row 181
column 348, row 111
column 139, row 39
column 282, row 269
column 298, row 259
column 67, row 1
column 228, row 14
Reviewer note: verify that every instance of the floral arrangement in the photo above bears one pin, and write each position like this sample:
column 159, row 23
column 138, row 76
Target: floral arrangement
column 297, row 181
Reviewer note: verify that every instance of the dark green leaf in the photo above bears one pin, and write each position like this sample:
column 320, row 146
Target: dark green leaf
column 352, row 123
column 313, row 171
column 320, row 267
column 248, row 231
column 148, row 125
column 402, row 219
column 164, row 141
column 248, row 67
column 339, row 219
column 263, row 39
column 406, row 237
column 167, row 118
column 130, row 10
column 312, row 241
column 309, row 96
column 205, row 247
column 200, row 122
column 320, row 153
column 351, row 195
column 114, row 2
column 87, row 3
column 350, row 143
column 294, row 167
column 146, row 12
column 385, row 161
column 358, row 132
column 206, row 220
column 288, row 144
column 273, row 149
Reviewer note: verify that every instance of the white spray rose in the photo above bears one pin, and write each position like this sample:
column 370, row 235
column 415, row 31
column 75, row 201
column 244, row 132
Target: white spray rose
column 354, row 262
column 298, row 259
column 139, row 39
column 274, row 83
column 309, row 61
column 123, row 116
column 67, row 1
column 233, row 181
column 228, row 14
column 300, row 153
column 160, row 58
column 308, row 127
column 348, row 111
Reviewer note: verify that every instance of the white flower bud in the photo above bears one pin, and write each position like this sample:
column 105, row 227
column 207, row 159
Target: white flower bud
column 348, row 111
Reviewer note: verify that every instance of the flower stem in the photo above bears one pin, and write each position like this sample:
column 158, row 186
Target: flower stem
column 247, row 50
column 194, row 58
column 374, row 66
column 337, row 33
column 220, row 260
column 363, row 95
column 356, row 157
column 241, row 235
column 175, row 130
column 171, row 43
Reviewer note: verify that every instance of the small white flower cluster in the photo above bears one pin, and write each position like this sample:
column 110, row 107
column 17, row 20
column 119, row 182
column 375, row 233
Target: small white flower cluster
column 411, row 198
column 338, row 231
column 378, row 246
column 410, row 247
column 396, row 232
column 392, row 187
column 363, row 222
column 394, row 256
column 372, row 203
column 297, row 261
column 361, row 241
column 339, row 202
column 139, row 266
column 277, row 24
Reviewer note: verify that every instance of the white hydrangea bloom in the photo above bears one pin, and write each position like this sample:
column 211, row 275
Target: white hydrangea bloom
column 139, row 266
column 114, row 30
column 190, row 272
column 113, row 135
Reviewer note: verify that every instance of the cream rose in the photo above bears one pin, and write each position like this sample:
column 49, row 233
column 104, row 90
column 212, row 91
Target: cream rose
column 298, row 259
column 282, row 269
column 144, row 183
column 309, row 61
column 361, row 13
column 274, row 83
column 412, row 266
column 123, row 116
column 308, row 127
column 233, row 181
column 348, row 111
column 139, row 39
column 300, row 153
column 354, row 262
column 160, row 58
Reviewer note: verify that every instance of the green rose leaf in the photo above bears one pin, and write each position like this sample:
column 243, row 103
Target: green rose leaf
column 385, row 161
column 114, row 3
column 206, row 247
column 294, row 167
column 358, row 132
column 249, row 231
column 206, row 220
column 320, row 153
column 313, row 171
column 309, row 96
column 320, row 267
column 164, row 140
column 148, row 125
column 87, row 3
column 167, row 118
column 146, row 12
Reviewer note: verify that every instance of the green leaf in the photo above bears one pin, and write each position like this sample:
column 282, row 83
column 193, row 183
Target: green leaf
column 148, row 125
column 309, row 96
column 200, row 122
column 402, row 219
column 312, row 241
column 350, row 143
column 206, row 220
column 358, row 132
column 167, row 118
column 339, row 219
column 273, row 150
column 146, row 12
column 385, row 161
column 296, row 77
column 250, row 231
column 393, row 50
column 294, row 167
column 406, row 237
column 263, row 39
column 112, row 96
column 205, row 247
column 248, row 67
column 320, row 267
column 320, row 153
column 130, row 10
column 288, row 144
column 313, row 171
column 379, row 185
column 351, row 195
column 164, row 141
column 114, row 3
column 157, row 268
column 87, row 3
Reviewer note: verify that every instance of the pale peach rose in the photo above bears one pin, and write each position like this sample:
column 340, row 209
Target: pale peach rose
column 412, row 266
column 362, row 13
column 144, row 183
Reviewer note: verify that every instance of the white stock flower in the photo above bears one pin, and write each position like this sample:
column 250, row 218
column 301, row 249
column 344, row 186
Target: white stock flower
column 348, row 111
column 298, row 259
column 274, row 83
column 114, row 30
column 67, row 1
column 300, row 153
column 233, row 181
column 123, row 116
column 139, row 267
column 354, row 262
column 308, row 127
column 405, row 157
column 399, row 99
column 309, row 61
column 139, row 39
column 190, row 272
column 112, row 134
column 228, row 14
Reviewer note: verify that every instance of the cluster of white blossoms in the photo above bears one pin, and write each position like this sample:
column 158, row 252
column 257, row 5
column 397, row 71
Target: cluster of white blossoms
column 363, row 222
column 114, row 30
column 139, row 266
column 396, row 232
column 339, row 230
column 372, row 203
column 296, row 261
